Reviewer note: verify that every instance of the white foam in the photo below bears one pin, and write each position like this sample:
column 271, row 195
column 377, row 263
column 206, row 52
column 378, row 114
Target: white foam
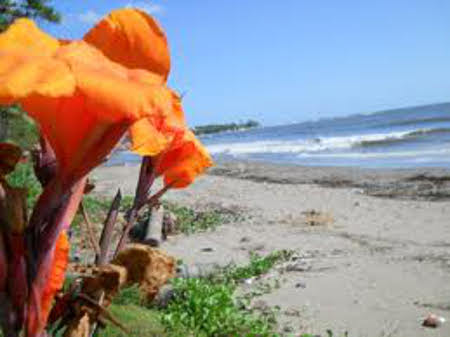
column 303, row 146
column 419, row 155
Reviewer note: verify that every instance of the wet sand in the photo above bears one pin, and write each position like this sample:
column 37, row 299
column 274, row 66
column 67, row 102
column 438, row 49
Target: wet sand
column 377, row 268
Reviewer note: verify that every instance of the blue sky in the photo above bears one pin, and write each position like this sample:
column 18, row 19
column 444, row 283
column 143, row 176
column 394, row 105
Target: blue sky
column 293, row 60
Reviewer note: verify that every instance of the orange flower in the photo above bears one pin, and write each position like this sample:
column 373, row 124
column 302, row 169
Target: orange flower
column 185, row 158
column 134, row 39
column 57, row 275
column 85, row 95
column 183, row 162
column 132, row 30
column 82, row 100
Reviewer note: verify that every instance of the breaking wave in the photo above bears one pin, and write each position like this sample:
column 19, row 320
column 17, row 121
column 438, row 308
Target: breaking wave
column 321, row 144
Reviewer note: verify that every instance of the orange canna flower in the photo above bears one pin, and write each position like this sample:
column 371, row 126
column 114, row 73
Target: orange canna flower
column 183, row 161
column 184, row 157
column 134, row 39
column 76, row 94
column 84, row 97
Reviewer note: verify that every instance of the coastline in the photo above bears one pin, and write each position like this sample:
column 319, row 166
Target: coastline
column 378, row 267
column 432, row 184
column 411, row 183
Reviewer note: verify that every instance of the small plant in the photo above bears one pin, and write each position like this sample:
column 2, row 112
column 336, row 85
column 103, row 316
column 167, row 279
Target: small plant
column 189, row 221
column 208, row 309
column 258, row 265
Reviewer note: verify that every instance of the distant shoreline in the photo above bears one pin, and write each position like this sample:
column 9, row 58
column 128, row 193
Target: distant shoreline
column 217, row 128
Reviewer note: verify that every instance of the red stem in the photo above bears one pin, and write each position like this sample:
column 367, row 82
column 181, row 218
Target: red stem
column 146, row 178
column 105, row 238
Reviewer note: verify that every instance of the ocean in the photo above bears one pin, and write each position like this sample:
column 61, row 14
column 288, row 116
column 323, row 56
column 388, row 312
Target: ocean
column 402, row 138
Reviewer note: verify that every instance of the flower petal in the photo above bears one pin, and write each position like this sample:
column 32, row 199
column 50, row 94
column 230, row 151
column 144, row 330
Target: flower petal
column 83, row 128
column 134, row 39
column 22, row 74
column 152, row 134
column 44, row 292
column 27, row 66
column 24, row 36
column 146, row 140
column 112, row 87
column 80, row 137
column 57, row 274
column 183, row 162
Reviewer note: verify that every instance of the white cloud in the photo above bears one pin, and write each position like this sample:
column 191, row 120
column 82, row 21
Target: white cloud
column 89, row 16
column 147, row 6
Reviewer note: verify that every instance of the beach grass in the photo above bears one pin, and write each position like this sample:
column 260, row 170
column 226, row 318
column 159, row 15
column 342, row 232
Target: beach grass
column 257, row 266
column 139, row 320
column 190, row 221
column 203, row 307
column 209, row 309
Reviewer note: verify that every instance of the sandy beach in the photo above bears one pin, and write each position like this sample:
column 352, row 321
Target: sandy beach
column 376, row 267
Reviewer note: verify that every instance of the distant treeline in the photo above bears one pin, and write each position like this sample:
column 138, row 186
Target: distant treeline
column 214, row 128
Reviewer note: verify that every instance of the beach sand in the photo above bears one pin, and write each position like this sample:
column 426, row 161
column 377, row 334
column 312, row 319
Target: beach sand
column 376, row 267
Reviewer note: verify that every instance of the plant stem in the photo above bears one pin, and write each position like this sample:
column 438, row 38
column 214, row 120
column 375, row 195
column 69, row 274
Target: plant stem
column 146, row 179
column 108, row 227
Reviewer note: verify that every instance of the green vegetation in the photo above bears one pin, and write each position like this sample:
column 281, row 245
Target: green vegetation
column 214, row 128
column 141, row 322
column 190, row 221
column 97, row 208
column 204, row 307
column 201, row 307
column 207, row 309
column 23, row 177
column 21, row 130
column 128, row 296
column 257, row 266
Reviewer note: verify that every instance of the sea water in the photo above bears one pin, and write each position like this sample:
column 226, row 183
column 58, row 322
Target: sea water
column 402, row 138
